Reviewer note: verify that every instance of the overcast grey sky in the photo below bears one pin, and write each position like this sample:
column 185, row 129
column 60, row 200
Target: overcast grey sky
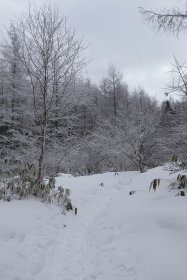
column 116, row 34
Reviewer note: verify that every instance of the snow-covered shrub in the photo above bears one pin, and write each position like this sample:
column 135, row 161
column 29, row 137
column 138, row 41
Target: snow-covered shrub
column 67, row 192
column 61, row 198
column 182, row 179
column 180, row 183
column 17, row 180
column 17, row 188
column 22, row 183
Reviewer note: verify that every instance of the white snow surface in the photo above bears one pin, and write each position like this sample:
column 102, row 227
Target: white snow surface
column 114, row 236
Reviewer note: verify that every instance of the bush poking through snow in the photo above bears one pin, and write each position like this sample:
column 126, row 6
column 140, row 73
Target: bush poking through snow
column 22, row 184
column 19, row 181
column 180, row 183
column 16, row 188
column 182, row 193
column 154, row 184
column 131, row 192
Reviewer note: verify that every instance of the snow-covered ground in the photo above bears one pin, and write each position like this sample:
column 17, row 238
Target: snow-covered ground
column 114, row 236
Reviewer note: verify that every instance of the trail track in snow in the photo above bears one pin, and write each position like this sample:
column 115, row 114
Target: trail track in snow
column 71, row 256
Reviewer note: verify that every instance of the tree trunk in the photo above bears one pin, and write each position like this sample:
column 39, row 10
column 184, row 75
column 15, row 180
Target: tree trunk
column 41, row 158
column 43, row 134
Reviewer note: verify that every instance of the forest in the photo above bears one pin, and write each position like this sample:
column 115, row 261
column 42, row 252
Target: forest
column 57, row 120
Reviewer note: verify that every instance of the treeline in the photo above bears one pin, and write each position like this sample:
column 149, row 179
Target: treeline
column 53, row 118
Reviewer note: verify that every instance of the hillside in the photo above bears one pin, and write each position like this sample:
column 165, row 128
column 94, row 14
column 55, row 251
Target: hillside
column 114, row 235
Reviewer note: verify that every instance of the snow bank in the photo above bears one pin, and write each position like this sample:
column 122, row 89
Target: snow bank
column 28, row 232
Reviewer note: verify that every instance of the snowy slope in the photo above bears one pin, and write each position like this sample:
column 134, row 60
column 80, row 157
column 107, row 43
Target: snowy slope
column 115, row 236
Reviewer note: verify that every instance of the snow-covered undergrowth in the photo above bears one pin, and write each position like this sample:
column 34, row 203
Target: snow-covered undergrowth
column 114, row 235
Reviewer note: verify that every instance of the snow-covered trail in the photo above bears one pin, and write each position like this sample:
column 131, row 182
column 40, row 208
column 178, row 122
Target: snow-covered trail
column 72, row 259
column 114, row 235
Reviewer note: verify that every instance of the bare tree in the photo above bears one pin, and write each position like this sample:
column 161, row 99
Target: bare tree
column 179, row 84
column 113, row 88
column 50, row 53
column 168, row 20
column 173, row 21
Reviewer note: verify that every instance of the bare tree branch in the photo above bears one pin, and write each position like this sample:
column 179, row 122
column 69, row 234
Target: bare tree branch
column 168, row 20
